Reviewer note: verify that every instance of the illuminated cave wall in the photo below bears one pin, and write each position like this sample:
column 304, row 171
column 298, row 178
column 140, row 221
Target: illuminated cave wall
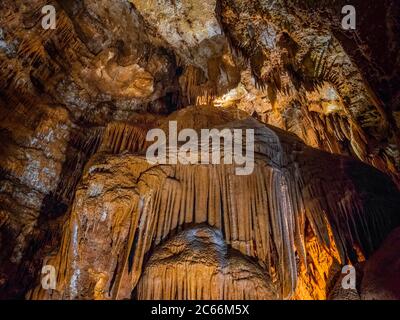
column 76, row 192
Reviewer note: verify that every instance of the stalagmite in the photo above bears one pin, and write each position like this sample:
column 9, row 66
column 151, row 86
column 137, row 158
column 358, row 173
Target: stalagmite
column 196, row 265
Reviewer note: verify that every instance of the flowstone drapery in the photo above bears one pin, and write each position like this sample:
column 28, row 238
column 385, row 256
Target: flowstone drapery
column 124, row 207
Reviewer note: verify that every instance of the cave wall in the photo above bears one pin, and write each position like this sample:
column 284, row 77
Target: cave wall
column 113, row 67
column 297, row 201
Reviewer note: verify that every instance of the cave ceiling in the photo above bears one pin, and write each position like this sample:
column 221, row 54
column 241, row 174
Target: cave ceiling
column 76, row 102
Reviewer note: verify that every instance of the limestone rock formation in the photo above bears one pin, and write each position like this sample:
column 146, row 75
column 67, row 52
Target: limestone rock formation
column 378, row 278
column 382, row 272
column 196, row 265
column 78, row 193
column 124, row 206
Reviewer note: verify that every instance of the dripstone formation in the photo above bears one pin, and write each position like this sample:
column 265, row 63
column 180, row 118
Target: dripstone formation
column 78, row 193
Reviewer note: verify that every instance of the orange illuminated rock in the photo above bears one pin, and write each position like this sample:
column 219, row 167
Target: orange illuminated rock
column 197, row 265
column 124, row 206
column 77, row 192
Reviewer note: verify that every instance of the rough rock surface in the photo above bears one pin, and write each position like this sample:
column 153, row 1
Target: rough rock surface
column 59, row 88
column 124, row 206
column 381, row 280
column 290, row 64
column 84, row 95
column 196, row 265
column 377, row 278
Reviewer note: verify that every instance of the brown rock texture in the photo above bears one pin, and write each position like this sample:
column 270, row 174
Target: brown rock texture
column 124, row 206
column 381, row 280
column 196, row 265
column 77, row 192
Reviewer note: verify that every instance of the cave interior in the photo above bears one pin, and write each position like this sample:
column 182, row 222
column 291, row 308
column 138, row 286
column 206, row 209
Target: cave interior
column 83, row 82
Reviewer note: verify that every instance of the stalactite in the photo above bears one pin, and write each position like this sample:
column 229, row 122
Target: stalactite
column 84, row 145
column 197, row 88
column 119, row 137
column 38, row 57
column 32, row 50
column 196, row 264
column 262, row 215
column 310, row 58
